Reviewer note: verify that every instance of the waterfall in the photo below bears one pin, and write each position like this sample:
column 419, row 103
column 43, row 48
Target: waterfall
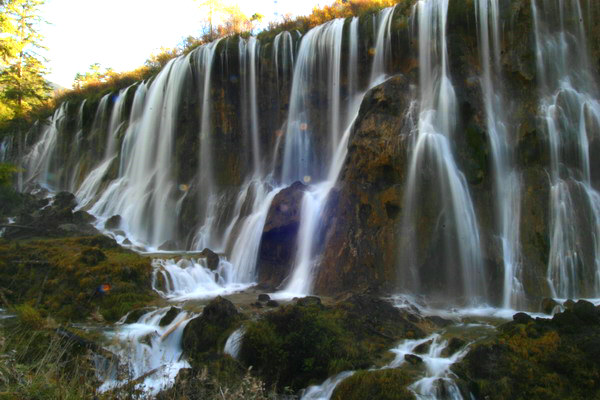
column 507, row 185
column 434, row 179
column 38, row 162
column 318, row 61
column 301, row 280
column 144, row 194
column 207, row 207
column 569, row 110
column 89, row 188
column 248, row 73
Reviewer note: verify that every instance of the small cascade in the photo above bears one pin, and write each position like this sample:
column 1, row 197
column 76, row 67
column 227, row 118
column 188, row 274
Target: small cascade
column 507, row 185
column 234, row 343
column 325, row 390
column 5, row 147
column 569, row 111
column 150, row 355
column 438, row 378
column 192, row 279
column 436, row 190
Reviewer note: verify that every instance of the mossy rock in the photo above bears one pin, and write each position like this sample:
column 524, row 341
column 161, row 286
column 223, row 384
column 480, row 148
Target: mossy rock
column 385, row 384
column 208, row 333
column 306, row 342
column 538, row 358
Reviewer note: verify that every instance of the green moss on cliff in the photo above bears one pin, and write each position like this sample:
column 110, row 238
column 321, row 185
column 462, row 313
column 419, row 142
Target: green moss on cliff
column 61, row 277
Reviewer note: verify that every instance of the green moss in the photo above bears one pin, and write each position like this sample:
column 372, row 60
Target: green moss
column 307, row 342
column 538, row 359
column 61, row 278
column 385, row 384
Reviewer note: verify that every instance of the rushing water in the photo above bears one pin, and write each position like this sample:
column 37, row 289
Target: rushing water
column 507, row 185
column 148, row 355
column 570, row 115
column 432, row 161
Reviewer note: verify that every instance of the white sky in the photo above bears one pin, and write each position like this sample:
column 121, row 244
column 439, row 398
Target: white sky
column 122, row 34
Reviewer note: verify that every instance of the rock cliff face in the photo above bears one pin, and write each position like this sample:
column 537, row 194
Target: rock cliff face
column 359, row 240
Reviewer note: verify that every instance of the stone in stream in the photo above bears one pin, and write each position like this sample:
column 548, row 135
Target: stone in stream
column 113, row 223
column 169, row 316
column 264, row 297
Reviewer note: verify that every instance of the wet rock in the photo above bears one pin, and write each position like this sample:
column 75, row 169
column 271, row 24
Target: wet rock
column 413, row 359
column 522, row 318
column 68, row 228
column 212, row 259
column 202, row 334
column 423, row 347
column 587, row 312
column 136, row 314
column 309, row 301
column 439, row 321
column 278, row 241
column 169, row 245
column 548, row 305
column 82, row 217
column 272, row 303
column 569, row 304
column 169, row 316
column 264, row 297
column 113, row 223
column 64, row 200
column 454, row 345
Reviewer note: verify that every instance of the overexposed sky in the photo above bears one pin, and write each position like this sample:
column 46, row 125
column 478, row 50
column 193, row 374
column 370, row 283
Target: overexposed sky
column 122, row 34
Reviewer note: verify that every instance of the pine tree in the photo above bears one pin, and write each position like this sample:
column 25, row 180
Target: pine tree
column 22, row 82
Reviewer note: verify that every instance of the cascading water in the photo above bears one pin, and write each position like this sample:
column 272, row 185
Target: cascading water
column 38, row 162
column 90, row 187
column 434, row 179
column 248, row 64
column 570, row 116
column 207, row 206
column 301, row 280
column 318, row 61
column 507, row 185
column 149, row 354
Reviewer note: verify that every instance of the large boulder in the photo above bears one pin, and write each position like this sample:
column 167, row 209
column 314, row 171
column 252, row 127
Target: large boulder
column 208, row 332
column 362, row 213
column 278, row 242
